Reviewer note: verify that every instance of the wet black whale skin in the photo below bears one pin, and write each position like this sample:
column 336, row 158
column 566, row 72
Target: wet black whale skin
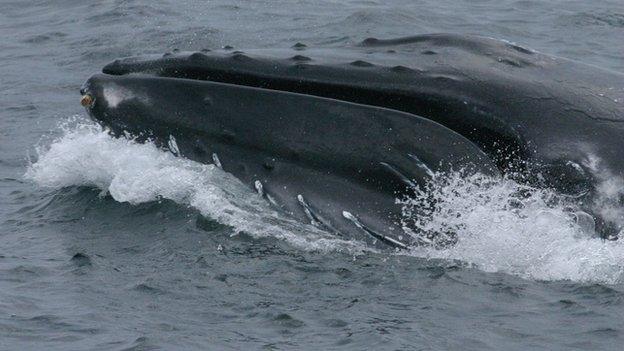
column 545, row 119
column 521, row 107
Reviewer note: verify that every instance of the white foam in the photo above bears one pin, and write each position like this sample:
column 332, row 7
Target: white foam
column 609, row 191
column 136, row 173
column 502, row 226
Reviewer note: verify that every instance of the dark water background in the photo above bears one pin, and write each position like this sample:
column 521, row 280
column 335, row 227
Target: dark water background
column 82, row 270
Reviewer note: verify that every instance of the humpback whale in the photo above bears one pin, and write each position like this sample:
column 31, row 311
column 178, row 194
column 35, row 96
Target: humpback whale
column 334, row 135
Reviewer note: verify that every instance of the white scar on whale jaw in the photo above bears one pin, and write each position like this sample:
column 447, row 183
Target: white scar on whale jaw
column 115, row 94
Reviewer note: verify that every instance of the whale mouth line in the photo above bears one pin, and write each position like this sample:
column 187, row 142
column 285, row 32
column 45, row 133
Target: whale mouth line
column 374, row 84
column 275, row 75
column 255, row 79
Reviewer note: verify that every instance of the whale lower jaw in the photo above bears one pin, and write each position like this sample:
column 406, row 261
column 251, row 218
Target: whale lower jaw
column 337, row 165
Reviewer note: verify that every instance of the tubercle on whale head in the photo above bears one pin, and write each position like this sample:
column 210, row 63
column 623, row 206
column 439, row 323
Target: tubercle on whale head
column 87, row 100
column 87, row 95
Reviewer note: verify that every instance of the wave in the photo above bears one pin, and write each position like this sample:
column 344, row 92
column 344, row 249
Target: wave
column 498, row 225
column 503, row 226
column 132, row 172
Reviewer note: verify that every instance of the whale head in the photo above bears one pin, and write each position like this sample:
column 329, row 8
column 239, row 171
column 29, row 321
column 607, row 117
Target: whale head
column 335, row 164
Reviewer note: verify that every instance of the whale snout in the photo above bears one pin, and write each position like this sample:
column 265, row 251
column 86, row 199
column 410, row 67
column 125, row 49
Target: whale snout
column 92, row 92
column 93, row 100
column 112, row 103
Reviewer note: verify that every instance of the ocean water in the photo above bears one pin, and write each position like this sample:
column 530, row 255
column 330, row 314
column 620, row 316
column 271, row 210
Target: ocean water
column 107, row 244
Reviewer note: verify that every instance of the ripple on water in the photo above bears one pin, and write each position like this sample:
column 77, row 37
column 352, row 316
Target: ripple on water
column 501, row 226
column 558, row 293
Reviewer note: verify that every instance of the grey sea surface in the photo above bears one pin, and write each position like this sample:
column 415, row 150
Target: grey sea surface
column 110, row 245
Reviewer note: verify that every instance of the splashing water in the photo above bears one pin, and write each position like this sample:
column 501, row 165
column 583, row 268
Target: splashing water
column 503, row 226
column 133, row 172
column 498, row 224
column 610, row 192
